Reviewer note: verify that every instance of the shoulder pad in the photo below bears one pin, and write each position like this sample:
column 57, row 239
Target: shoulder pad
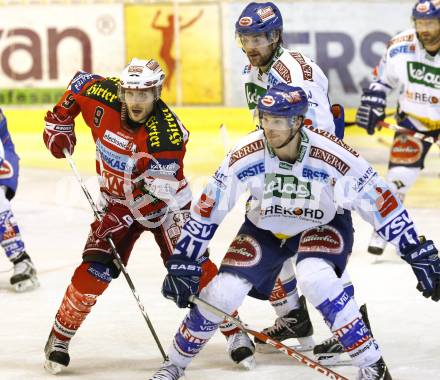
column 306, row 69
column 80, row 79
column 250, row 144
column 164, row 130
column 280, row 69
column 405, row 37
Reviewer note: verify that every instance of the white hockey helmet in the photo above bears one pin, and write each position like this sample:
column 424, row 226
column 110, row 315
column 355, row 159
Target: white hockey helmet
column 141, row 74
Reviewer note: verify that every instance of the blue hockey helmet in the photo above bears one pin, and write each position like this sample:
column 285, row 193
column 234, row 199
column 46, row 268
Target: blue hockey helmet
column 284, row 101
column 259, row 18
column 425, row 9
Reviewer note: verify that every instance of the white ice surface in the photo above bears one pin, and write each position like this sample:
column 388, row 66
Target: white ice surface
column 114, row 342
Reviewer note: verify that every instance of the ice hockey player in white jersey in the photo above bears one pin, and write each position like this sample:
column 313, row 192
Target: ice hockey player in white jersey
column 258, row 32
column 290, row 215
column 24, row 277
column 412, row 65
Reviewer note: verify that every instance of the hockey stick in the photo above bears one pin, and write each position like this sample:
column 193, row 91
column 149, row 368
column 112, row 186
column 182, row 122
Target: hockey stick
column 353, row 123
column 266, row 339
column 225, row 137
column 418, row 135
column 116, row 258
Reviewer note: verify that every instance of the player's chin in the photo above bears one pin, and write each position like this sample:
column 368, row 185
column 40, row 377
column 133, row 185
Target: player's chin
column 137, row 116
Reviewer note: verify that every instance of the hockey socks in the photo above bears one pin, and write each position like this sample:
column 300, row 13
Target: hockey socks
column 284, row 297
column 344, row 319
column 193, row 334
column 88, row 282
column 10, row 238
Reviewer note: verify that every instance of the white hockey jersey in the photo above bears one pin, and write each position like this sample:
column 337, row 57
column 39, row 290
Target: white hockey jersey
column 288, row 199
column 408, row 66
column 295, row 69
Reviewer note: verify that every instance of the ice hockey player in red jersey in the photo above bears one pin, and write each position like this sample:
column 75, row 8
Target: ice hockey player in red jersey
column 140, row 146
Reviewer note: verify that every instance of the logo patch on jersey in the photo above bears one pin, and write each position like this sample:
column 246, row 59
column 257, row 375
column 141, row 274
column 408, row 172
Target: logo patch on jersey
column 286, row 186
column 325, row 239
column 386, row 202
column 162, row 166
column 405, row 38
column 421, row 97
column 199, row 230
column 80, row 79
column 113, row 183
column 283, row 71
column 6, row 170
column 315, row 174
column 220, row 179
column 305, row 67
column 115, row 160
column 245, row 151
column 406, row 150
column 328, row 158
column 404, row 49
column 285, row 165
column 424, row 74
column 396, row 227
column 204, row 206
column 333, row 138
column 164, row 132
column 251, row 171
column 366, row 177
column 106, row 92
column 303, row 213
column 244, row 251
column 119, row 141
column 253, row 94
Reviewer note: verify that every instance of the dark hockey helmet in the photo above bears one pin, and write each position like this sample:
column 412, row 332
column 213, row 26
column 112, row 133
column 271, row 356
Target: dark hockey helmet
column 425, row 9
column 284, row 101
column 259, row 18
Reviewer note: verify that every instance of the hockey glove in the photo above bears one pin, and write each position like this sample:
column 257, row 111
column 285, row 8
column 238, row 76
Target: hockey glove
column 371, row 110
column 182, row 279
column 59, row 134
column 425, row 264
column 115, row 223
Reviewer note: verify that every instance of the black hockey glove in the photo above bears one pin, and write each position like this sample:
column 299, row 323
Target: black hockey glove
column 371, row 110
column 425, row 264
column 182, row 279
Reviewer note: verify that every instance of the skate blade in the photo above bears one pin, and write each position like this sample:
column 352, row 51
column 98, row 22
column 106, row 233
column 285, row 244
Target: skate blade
column 26, row 285
column 332, row 360
column 305, row 344
column 248, row 364
column 53, row 367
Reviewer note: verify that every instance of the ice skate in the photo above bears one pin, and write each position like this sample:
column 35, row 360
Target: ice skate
column 168, row 371
column 57, row 354
column 241, row 350
column 376, row 371
column 329, row 352
column 24, row 277
column 377, row 244
column 296, row 324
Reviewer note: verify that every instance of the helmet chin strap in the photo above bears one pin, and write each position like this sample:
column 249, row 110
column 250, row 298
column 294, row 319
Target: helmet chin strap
column 289, row 139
